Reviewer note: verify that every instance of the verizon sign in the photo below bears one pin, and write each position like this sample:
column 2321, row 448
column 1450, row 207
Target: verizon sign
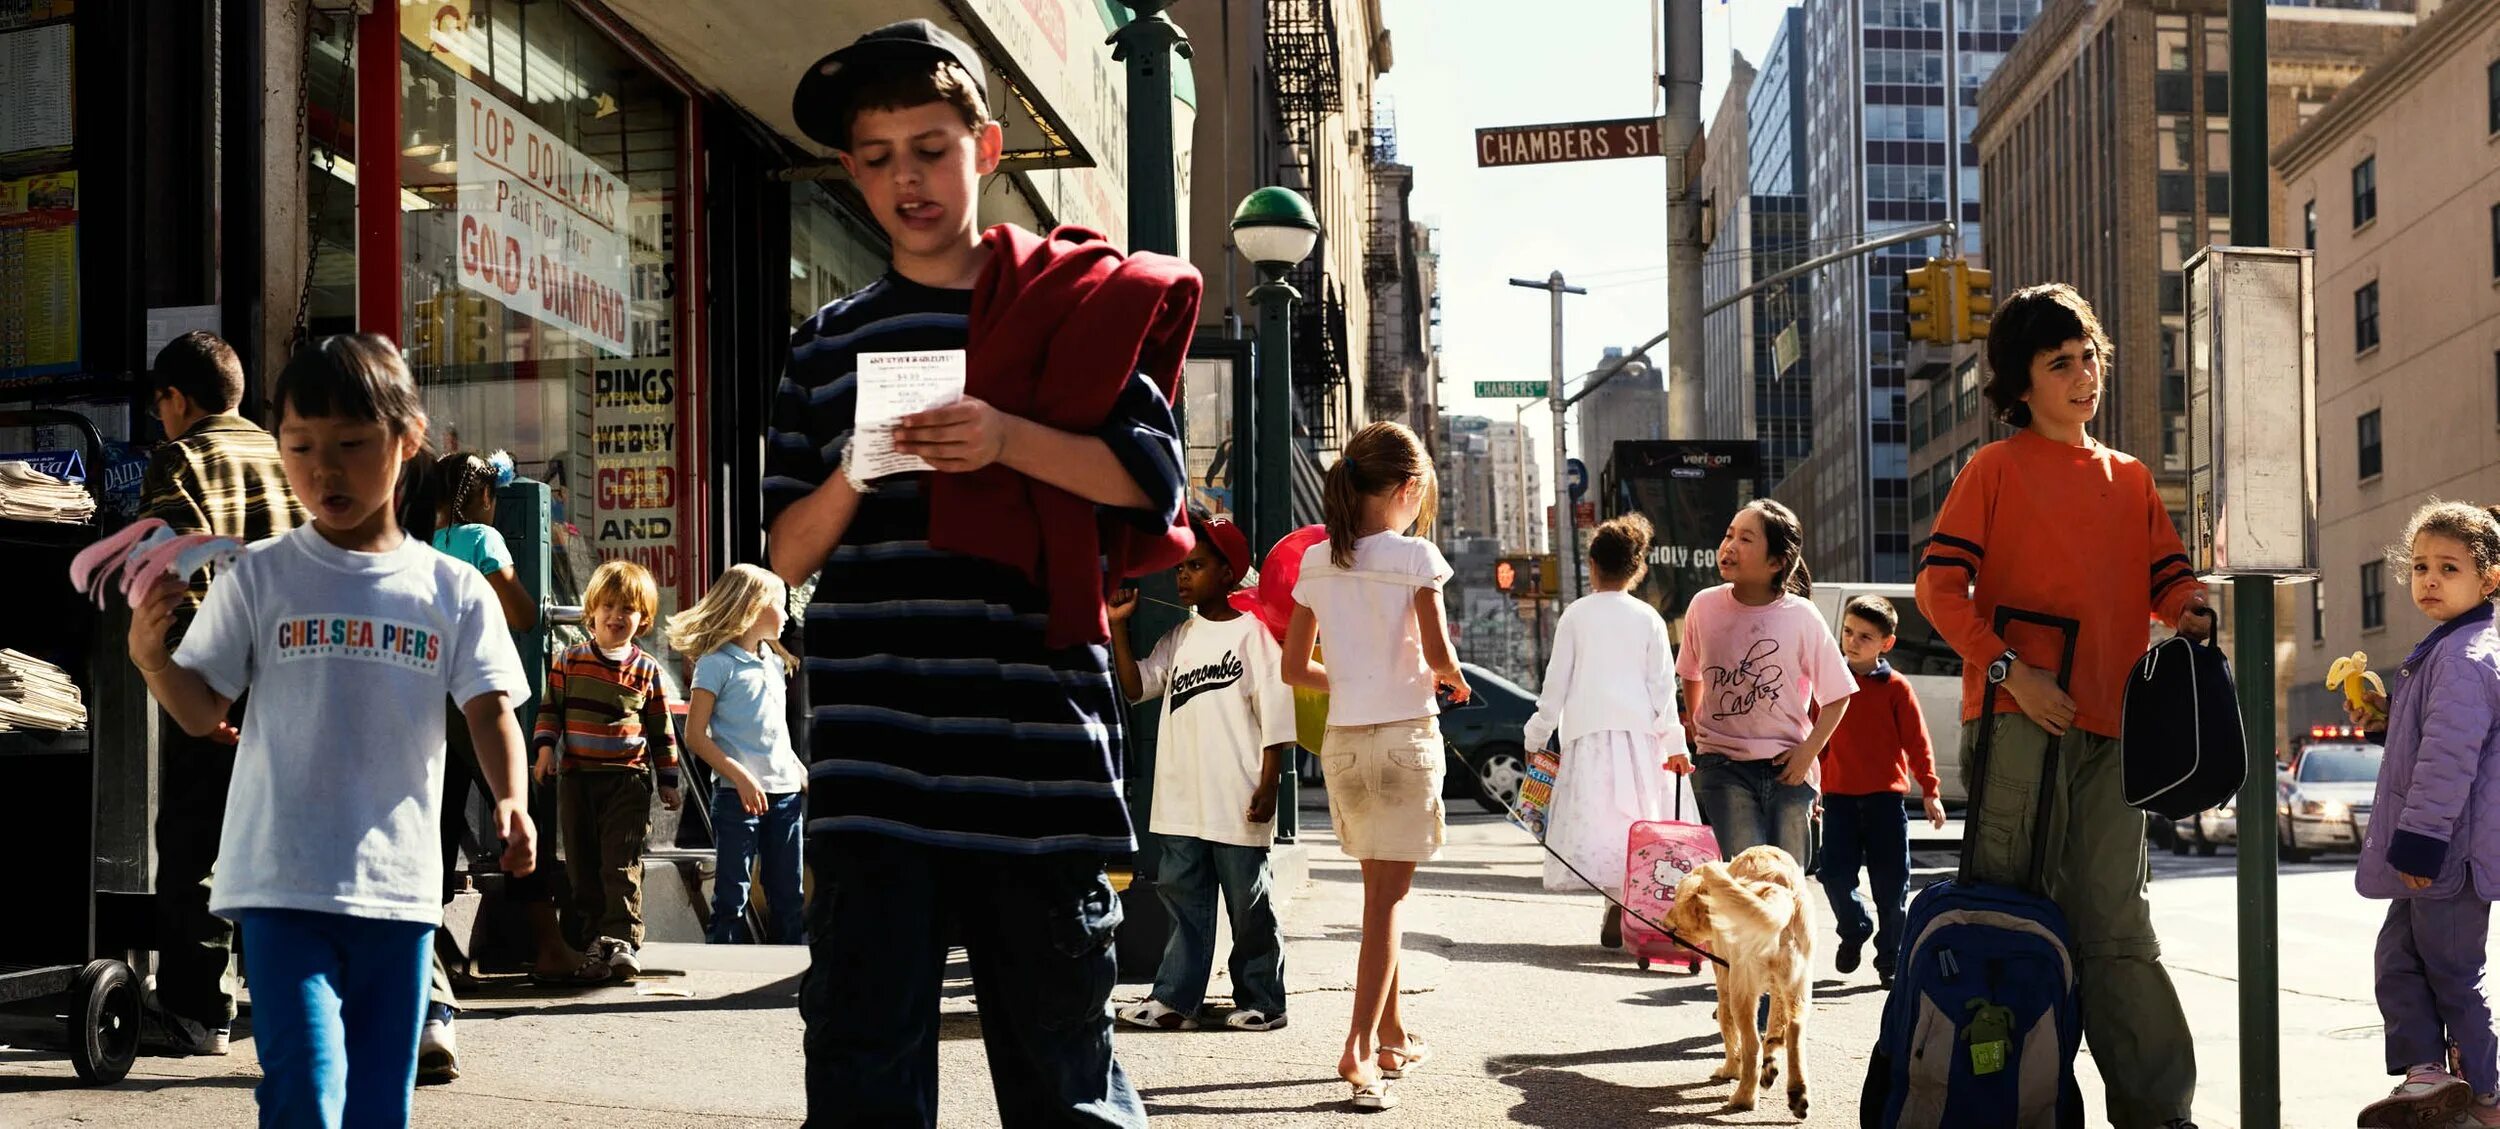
column 1567, row 141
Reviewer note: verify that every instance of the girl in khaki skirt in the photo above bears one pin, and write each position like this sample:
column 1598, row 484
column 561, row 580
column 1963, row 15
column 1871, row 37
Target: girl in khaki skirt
column 1373, row 593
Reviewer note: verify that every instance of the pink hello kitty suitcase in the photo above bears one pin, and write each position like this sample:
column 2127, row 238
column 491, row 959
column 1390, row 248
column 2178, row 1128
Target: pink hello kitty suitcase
column 1657, row 858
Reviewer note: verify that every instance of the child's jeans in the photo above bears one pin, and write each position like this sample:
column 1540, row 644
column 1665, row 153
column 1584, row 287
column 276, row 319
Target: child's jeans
column 1193, row 870
column 739, row 839
column 1747, row 806
column 1873, row 831
column 2429, row 969
column 337, row 1005
column 1038, row 930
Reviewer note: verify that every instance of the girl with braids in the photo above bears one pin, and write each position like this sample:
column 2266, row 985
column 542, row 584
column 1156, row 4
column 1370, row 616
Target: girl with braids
column 464, row 485
column 1373, row 594
column 2433, row 846
column 1764, row 687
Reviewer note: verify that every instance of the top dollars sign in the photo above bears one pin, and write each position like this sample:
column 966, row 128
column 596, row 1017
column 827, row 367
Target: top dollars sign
column 542, row 227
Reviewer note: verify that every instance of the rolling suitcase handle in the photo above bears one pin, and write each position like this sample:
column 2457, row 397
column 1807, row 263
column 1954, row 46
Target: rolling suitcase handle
column 2071, row 629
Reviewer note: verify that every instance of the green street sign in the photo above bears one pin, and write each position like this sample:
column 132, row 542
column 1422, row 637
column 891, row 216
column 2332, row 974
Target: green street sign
column 1511, row 389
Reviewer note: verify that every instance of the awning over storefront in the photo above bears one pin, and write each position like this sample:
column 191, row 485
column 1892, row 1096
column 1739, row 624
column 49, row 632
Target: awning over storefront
column 1055, row 88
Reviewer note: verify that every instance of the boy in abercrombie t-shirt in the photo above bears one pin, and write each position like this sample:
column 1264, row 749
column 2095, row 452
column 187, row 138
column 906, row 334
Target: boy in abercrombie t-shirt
column 2052, row 523
column 966, row 738
column 1880, row 745
column 1227, row 726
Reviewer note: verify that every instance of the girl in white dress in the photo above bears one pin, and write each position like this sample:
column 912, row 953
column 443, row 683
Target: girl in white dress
column 1610, row 690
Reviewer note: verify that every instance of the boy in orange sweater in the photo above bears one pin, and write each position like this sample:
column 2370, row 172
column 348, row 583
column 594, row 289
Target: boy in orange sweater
column 2053, row 524
column 1867, row 767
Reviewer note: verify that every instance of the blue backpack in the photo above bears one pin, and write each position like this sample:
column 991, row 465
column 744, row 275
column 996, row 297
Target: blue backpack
column 1983, row 1023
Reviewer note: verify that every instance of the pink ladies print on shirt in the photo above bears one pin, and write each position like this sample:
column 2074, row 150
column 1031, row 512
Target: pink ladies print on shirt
column 360, row 639
column 1762, row 671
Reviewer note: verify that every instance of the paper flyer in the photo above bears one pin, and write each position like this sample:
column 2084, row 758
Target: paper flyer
column 891, row 386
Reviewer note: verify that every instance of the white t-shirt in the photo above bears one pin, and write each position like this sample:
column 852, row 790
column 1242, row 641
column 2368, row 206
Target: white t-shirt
column 1224, row 702
column 1373, row 645
column 336, row 805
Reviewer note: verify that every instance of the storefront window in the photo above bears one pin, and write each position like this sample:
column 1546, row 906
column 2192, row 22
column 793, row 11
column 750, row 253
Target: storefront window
column 540, row 214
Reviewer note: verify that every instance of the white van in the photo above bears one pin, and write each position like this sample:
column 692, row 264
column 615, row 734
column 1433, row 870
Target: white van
column 1922, row 656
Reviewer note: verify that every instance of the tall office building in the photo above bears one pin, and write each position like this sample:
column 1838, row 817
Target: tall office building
column 1881, row 159
column 1760, row 383
column 1632, row 405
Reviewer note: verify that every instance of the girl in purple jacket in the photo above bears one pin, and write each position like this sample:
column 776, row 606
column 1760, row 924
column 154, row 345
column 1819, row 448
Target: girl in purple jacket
column 2433, row 845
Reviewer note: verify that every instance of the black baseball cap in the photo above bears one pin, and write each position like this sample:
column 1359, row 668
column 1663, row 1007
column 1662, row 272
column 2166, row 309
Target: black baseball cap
column 822, row 104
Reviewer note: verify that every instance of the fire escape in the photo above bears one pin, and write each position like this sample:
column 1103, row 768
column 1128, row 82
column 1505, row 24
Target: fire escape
column 1304, row 67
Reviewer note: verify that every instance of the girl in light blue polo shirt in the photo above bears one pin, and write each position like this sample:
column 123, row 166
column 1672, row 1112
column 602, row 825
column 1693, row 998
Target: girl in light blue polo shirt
column 735, row 721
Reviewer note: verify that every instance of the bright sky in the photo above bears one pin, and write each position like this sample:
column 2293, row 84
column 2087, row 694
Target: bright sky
column 1465, row 64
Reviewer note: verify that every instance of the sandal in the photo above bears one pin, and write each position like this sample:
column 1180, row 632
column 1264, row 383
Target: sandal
column 1252, row 1019
column 1374, row 1094
column 1155, row 1015
column 1415, row 1053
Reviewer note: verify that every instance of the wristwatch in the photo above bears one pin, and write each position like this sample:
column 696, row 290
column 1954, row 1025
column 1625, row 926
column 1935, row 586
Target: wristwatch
column 2001, row 668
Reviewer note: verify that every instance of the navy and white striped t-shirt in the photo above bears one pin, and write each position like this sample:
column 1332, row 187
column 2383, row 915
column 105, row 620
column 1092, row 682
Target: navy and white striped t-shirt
column 938, row 715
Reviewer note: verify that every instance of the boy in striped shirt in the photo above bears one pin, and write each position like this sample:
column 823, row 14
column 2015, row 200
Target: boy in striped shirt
column 603, row 726
column 967, row 739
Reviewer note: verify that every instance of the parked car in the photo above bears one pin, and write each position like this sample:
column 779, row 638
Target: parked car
column 2326, row 798
column 1484, row 739
column 1933, row 668
column 2205, row 832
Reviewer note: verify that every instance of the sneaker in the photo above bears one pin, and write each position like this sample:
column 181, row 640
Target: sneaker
column 1846, row 960
column 1157, row 1016
column 220, row 1041
column 438, row 1049
column 2427, row 1096
column 176, row 1037
column 1252, row 1019
column 1610, row 930
column 624, row 957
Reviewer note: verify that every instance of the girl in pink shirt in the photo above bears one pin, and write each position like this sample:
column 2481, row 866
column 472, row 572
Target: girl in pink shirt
column 1764, row 687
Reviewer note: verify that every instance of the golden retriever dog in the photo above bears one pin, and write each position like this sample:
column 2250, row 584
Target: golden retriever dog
column 1753, row 912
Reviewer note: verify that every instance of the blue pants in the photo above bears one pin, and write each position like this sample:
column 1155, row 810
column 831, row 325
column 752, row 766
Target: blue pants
column 2429, row 970
column 1746, row 806
column 1038, row 929
column 1872, row 831
column 738, row 839
column 1192, row 871
column 337, row 1004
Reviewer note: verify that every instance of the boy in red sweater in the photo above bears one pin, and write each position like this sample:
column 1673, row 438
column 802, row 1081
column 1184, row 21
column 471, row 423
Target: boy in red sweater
column 1867, row 767
column 2053, row 524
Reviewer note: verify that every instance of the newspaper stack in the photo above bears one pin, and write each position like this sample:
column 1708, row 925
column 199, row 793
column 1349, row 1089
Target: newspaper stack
column 27, row 494
column 35, row 694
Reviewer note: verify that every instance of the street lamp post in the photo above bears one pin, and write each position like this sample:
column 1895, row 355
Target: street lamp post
column 1275, row 229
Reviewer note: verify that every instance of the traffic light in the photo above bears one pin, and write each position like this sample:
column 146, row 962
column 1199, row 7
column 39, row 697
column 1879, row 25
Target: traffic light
column 1977, row 302
column 1926, row 287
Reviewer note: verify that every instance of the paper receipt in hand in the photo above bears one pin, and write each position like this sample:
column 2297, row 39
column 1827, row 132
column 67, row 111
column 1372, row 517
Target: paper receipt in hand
column 891, row 386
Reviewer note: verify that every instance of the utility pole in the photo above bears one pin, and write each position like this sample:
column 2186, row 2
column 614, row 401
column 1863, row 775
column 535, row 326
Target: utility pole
column 1952, row 140
column 2252, row 598
column 1566, row 541
column 1681, row 127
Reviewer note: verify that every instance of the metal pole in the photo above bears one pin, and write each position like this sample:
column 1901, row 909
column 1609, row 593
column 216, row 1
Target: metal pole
column 1147, row 44
column 1682, row 125
column 1565, row 584
column 1273, row 493
column 2261, row 1101
column 1952, row 134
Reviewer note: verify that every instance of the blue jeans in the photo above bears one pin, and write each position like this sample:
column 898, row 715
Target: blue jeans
column 1746, row 806
column 1038, row 930
column 1873, row 831
column 337, row 1005
column 1192, row 871
column 738, row 839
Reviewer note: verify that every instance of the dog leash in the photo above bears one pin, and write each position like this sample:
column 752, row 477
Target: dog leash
column 1628, row 911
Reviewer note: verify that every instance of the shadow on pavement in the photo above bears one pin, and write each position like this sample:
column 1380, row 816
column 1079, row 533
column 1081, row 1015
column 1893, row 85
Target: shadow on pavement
column 779, row 995
column 1553, row 1094
column 1433, row 876
column 1575, row 957
column 135, row 1085
column 1158, row 1105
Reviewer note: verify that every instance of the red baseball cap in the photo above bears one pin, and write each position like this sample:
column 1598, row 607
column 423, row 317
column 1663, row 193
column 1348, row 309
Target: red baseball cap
column 1226, row 541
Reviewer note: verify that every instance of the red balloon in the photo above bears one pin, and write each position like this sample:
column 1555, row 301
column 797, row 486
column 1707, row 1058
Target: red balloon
column 1272, row 600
